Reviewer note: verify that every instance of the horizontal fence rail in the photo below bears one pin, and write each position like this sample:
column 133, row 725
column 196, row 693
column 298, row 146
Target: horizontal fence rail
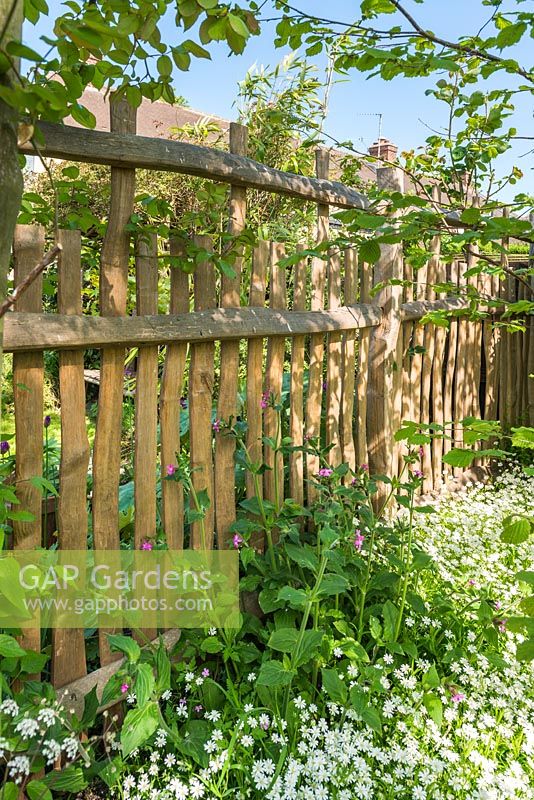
column 55, row 332
column 24, row 332
column 144, row 152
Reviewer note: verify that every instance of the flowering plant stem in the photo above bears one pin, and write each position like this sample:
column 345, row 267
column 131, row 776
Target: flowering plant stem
column 313, row 599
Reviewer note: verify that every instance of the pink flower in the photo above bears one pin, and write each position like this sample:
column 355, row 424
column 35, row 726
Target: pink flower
column 417, row 473
column 364, row 467
column 125, row 687
column 471, row 582
column 147, row 545
column 198, row 709
column 359, row 539
column 457, row 697
column 498, row 605
column 171, row 469
column 217, row 425
column 205, row 672
column 325, row 472
column 501, row 625
column 421, row 451
column 265, row 398
column 237, row 541
column 264, row 724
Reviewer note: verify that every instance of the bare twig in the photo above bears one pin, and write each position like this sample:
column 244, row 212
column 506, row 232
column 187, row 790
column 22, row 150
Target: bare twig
column 29, row 279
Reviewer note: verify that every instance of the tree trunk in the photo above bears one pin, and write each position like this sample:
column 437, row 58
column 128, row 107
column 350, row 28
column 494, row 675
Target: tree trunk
column 10, row 174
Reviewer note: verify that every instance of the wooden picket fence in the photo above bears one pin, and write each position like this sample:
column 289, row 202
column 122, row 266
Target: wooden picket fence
column 368, row 362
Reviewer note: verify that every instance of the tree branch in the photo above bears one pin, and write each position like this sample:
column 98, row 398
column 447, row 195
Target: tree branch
column 29, row 279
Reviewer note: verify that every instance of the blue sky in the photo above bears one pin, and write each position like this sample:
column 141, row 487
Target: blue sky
column 211, row 86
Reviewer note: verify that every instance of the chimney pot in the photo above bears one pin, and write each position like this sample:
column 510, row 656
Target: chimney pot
column 384, row 149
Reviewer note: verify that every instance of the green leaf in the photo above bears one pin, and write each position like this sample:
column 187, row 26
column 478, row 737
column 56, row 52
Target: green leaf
column 164, row 65
column 459, row 457
column 163, row 669
column 211, row 645
column 334, row 686
column 273, row 673
column 144, row 683
column 284, row 640
column 390, row 614
column 10, row 792
column 297, row 598
column 527, row 576
column 523, row 437
column 82, row 116
column 525, row 650
column 515, row 530
column 527, row 606
column 369, row 251
column 304, row 556
column 126, row 645
column 138, row 727
column 333, row 584
column 70, row 779
column 434, row 706
column 311, row 641
column 371, row 717
column 37, row 790
column 431, row 678
column 10, row 648
column 238, row 26
column 193, row 737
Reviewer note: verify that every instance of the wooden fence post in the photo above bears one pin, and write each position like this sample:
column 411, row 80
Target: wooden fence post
column 68, row 646
column 28, row 379
column 382, row 388
column 224, row 468
column 315, row 371
column 113, row 295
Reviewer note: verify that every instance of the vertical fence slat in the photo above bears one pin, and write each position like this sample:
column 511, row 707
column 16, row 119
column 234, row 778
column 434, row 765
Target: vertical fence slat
column 333, row 364
column 364, row 335
column 172, row 380
column 229, row 360
column 146, row 397
column 407, row 333
column 273, row 483
column 349, row 362
column 438, row 388
column 28, row 379
column 449, row 378
column 201, row 380
column 258, row 280
column 296, row 413
column 383, row 348
column 146, row 404
column 429, row 341
column 113, row 296
column 68, row 646
column 315, row 371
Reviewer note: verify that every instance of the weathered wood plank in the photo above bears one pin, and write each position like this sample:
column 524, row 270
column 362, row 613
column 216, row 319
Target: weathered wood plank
column 113, row 295
column 258, row 282
column 28, row 379
column 119, row 149
column 273, row 479
column 172, row 382
column 72, row 696
column 225, row 511
column 146, row 404
column 68, row 646
column 201, row 380
column 348, row 362
column 314, row 400
column 429, row 345
column 415, row 309
column 383, row 347
column 333, row 365
column 296, row 411
column 362, row 451
column 25, row 332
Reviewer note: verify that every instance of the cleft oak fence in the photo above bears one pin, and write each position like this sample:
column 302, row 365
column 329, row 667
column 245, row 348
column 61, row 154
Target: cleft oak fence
column 357, row 365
